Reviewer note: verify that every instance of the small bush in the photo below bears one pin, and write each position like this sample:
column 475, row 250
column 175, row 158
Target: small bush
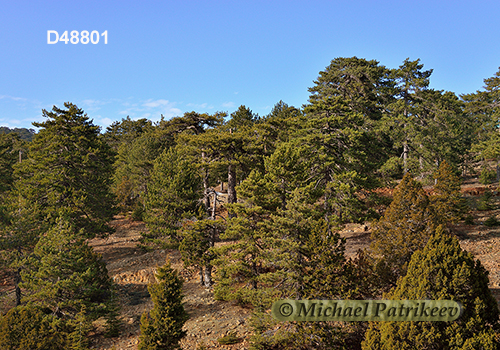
column 487, row 176
column 138, row 213
column 228, row 339
column 469, row 220
column 485, row 201
column 492, row 221
column 201, row 346
column 161, row 328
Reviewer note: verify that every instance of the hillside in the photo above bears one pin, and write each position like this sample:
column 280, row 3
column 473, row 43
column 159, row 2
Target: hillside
column 132, row 268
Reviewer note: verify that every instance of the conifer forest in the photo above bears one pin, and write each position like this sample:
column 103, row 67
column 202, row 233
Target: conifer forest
column 256, row 208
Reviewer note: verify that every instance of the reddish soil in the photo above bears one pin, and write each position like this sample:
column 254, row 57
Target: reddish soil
column 132, row 268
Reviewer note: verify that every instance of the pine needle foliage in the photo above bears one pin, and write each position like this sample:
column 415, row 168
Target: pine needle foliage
column 161, row 328
column 65, row 275
column 405, row 227
column 442, row 271
column 69, row 167
column 29, row 328
column 67, row 279
column 173, row 193
column 448, row 203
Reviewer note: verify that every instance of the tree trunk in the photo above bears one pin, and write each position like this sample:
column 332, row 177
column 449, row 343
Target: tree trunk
column 208, row 275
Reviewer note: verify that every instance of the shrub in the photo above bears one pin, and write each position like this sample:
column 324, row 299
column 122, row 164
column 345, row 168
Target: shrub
column 485, row 201
column 487, row 176
column 228, row 339
column 29, row 328
column 405, row 227
column 492, row 221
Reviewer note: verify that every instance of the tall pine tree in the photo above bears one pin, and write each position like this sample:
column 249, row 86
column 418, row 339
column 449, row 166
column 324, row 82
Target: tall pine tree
column 69, row 167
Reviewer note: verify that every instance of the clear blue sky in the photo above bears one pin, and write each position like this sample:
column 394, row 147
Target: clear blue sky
column 171, row 57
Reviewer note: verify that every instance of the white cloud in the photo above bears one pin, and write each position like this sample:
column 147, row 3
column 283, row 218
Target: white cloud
column 151, row 109
column 13, row 98
column 156, row 103
column 199, row 105
column 228, row 104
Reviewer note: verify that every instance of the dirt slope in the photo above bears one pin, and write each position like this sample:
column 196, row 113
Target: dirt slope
column 133, row 268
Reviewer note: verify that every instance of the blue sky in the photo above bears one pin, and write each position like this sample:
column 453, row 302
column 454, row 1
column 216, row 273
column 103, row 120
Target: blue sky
column 170, row 57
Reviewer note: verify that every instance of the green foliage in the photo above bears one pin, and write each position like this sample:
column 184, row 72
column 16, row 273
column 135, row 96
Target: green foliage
column 392, row 168
column 487, row 176
column 173, row 194
column 448, row 203
column 491, row 221
column 65, row 276
column 485, row 202
column 138, row 212
column 161, row 328
column 113, row 322
column 442, row 270
column 198, row 237
column 8, row 157
column 69, row 167
column 30, row 328
column 405, row 227
column 230, row 338
column 23, row 133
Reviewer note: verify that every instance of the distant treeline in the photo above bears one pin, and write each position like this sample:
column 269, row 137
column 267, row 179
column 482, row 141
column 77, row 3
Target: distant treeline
column 24, row 134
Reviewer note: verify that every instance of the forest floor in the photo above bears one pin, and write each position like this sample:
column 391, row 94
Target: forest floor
column 133, row 267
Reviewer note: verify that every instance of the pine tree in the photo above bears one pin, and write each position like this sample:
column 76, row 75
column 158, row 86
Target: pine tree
column 442, row 271
column 198, row 237
column 161, row 328
column 174, row 193
column 448, row 203
column 69, row 167
column 405, row 227
column 30, row 328
column 64, row 275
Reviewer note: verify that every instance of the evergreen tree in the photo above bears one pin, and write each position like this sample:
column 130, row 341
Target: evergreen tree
column 442, row 271
column 65, row 276
column 405, row 227
column 121, row 137
column 162, row 327
column 411, row 81
column 174, row 193
column 69, row 167
column 8, row 157
column 347, row 100
column 198, row 237
column 30, row 328
column 448, row 203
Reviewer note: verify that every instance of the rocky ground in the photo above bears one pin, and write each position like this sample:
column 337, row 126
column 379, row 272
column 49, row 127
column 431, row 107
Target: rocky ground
column 133, row 267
